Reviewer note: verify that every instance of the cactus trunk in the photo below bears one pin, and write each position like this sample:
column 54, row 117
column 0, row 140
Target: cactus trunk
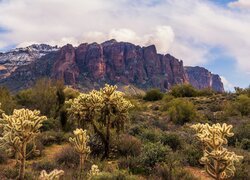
column 107, row 142
column 22, row 165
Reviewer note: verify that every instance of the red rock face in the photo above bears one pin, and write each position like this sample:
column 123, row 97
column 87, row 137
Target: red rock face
column 65, row 67
column 119, row 62
column 116, row 63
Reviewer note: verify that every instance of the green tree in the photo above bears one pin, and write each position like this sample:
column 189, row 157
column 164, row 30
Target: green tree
column 105, row 110
column 46, row 95
column 19, row 129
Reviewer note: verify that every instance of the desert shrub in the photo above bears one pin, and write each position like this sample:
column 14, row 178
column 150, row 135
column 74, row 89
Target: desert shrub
column 3, row 156
column 172, row 140
column 153, row 153
column 129, row 145
column 242, row 172
column 163, row 172
column 8, row 103
column 11, row 173
column 50, row 124
column 243, row 105
column 136, row 130
column 151, row 135
column 133, row 164
column 206, row 92
column 67, row 157
column 240, row 132
column 153, row 95
column 52, row 137
column 183, row 90
column 181, row 111
column 192, row 154
column 184, row 175
column 117, row 175
column 245, row 144
column 46, row 165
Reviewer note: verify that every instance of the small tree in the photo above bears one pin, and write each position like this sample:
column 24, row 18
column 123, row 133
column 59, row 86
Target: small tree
column 20, row 129
column 218, row 161
column 104, row 109
column 79, row 143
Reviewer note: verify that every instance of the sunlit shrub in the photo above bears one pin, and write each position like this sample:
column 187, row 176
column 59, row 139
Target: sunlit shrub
column 181, row 111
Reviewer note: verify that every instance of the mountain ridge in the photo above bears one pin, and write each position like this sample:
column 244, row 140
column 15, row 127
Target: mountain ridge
column 91, row 65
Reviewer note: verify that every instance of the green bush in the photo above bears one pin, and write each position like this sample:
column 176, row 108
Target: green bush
column 192, row 154
column 133, row 164
column 243, row 105
column 153, row 153
column 181, row 111
column 129, row 145
column 183, row 90
column 242, row 172
column 8, row 103
column 151, row 135
column 153, row 95
column 172, row 140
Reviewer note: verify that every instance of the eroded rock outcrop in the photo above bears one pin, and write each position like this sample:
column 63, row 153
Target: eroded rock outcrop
column 92, row 65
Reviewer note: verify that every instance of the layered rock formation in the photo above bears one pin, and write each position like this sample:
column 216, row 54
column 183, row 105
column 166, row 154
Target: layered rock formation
column 92, row 65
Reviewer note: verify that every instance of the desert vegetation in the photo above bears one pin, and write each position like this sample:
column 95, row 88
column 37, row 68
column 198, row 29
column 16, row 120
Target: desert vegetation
column 51, row 131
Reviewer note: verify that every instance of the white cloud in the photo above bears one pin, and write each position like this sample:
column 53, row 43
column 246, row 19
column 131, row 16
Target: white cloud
column 240, row 4
column 227, row 85
column 188, row 29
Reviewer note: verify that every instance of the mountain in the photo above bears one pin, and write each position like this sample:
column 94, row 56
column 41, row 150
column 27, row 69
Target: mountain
column 11, row 60
column 92, row 65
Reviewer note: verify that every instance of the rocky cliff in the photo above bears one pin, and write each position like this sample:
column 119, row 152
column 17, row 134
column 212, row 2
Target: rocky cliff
column 92, row 65
column 201, row 78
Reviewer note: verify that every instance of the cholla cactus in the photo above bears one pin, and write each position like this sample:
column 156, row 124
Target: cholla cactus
column 53, row 175
column 218, row 161
column 20, row 129
column 104, row 109
column 94, row 171
column 79, row 143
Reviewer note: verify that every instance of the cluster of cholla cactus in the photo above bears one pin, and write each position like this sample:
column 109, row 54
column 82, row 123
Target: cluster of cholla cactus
column 94, row 171
column 80, row 144
column 19, row 129
column 53, row 175
column 105, row 108
column 218, row 161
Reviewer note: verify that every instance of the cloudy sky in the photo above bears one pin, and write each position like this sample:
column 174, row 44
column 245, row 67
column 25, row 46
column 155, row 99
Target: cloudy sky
column 210, row 33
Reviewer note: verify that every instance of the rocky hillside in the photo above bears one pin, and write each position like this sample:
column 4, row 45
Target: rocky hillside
column 91, row 65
